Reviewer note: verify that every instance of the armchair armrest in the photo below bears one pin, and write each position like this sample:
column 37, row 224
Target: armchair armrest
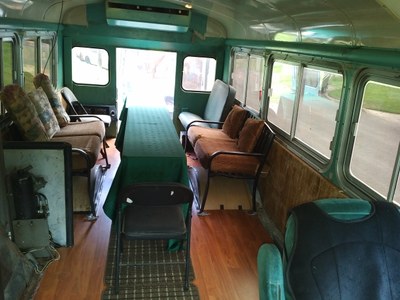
column 233, row 153
column 235, row 164
column 203, row 122
column 106, row 119
column 223, row 152
column 270, row 273
column 78, row 117
column 87, row 162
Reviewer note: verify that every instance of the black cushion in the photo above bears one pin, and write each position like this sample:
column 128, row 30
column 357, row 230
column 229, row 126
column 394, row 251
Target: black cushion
column 336, row 259
column 154, row 222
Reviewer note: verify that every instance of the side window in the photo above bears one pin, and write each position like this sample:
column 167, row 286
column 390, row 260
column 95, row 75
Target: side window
column 303, row 103
column 255, row 82
column 318, row 105
column 7, row 65
column 46, row 58
column 30, row 62
column 198, row 73
column 239, row 74
column 247, row 78
column 38, row 56
column 90, row 66
column 375, row 156
column 283, row 93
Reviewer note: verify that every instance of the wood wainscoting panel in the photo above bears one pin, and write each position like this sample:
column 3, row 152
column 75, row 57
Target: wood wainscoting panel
column 290, row 182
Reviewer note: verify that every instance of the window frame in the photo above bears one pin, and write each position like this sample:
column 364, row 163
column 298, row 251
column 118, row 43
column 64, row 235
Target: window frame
column 8, row 38
column 311, row 155
column 243, row 53
column 50, row 63
column 36, row 60
column 12, row 40
column 366, row 76
column 211, row 82
column 40, row 65
column 249, row 54
column 90, row 83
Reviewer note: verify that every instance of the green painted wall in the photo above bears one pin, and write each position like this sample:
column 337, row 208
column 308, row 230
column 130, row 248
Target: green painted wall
column 99, row 34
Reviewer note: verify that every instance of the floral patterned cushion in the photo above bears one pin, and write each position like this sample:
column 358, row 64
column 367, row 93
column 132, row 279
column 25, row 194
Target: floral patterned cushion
column 45, row 112
column 43, row 81
column 23, row 113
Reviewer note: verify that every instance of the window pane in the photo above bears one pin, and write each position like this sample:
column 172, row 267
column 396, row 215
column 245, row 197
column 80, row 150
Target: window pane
column 255, row 82
column 239, row 74
column 90, row 66
column 7, row 61
column 378, row 136
column 283, row 88
column 30, row 63
column 47, row 57
column 317, row 109
column 198, row 73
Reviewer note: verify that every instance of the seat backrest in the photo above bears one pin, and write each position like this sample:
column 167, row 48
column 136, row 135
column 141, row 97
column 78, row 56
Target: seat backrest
column 219, row 102
column 156, row 193
column 265, row 141
column 72, row 102
column 343, row 249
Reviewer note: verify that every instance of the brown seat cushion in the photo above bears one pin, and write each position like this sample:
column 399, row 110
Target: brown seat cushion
column 234, row 121
column 249, row 134
column 205, row 147
column 197, row 132
column 95, row 127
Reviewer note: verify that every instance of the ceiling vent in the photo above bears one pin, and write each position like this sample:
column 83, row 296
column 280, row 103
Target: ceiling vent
column 141, row 15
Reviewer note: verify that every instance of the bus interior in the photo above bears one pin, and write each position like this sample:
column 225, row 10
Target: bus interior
column 324, row 76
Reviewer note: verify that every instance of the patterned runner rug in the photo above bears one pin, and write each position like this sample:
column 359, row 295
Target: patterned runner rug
column 148, row 282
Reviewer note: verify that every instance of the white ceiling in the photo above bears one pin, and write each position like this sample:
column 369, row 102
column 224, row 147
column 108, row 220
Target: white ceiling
column 373, row 23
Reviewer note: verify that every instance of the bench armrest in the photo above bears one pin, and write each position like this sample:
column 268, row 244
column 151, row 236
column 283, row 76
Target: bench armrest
column 239, row 170
column 86, row 158
column 223, row 152
column 77, row 117
column 203, row 122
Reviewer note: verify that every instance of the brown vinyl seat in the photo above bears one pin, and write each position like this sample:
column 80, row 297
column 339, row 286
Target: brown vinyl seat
column 242, row 158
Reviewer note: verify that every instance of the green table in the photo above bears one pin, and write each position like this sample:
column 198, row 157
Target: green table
column 150, row 151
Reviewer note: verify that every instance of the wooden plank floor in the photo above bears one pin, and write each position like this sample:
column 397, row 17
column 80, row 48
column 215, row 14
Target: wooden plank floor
column 224, row 249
